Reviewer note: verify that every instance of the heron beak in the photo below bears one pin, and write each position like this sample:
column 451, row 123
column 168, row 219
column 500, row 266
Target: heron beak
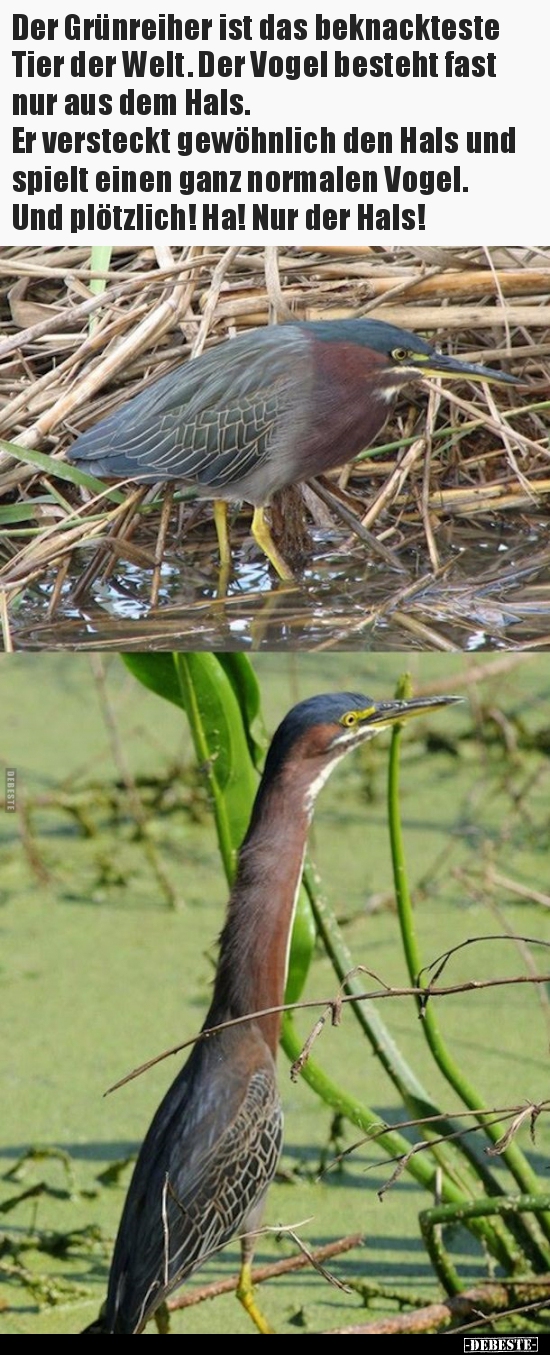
column 395, row 712
column 437, row 364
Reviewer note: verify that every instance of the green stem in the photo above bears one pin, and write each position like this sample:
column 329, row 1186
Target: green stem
column 393, row 1143
column 434, row 1219
column 414, row 1095
column 512, row 1155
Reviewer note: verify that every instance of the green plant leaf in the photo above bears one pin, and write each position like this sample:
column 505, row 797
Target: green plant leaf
column 158, row 673
column 247, row 691
column 100, row 259
column 221, row 697
column 199, row 684
column 61, row 469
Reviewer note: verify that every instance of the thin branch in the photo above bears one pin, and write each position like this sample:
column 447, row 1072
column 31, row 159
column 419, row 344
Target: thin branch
column 262, row 1273
column 470, row 985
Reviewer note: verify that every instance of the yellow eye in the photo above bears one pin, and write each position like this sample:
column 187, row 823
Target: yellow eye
column 349, row 719
column 400, row 354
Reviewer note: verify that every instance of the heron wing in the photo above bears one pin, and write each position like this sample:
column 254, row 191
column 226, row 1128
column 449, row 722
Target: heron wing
column 211, row 422
column 206, row 1161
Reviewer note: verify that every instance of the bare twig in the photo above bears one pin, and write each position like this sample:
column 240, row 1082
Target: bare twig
column 262, row 1273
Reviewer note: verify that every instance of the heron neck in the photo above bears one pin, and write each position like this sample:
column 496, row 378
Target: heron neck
column 254, row 945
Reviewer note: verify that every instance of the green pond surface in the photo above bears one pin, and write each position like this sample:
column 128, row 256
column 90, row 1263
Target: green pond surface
column 107, row 954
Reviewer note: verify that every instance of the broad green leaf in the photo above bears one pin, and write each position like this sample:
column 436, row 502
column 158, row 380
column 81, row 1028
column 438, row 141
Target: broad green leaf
column 221, row 696
column 199, row 684
column 247, row 691
column 158, row 673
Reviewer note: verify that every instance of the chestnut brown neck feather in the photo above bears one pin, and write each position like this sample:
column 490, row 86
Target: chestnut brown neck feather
column 350, row 404
column 251, row 970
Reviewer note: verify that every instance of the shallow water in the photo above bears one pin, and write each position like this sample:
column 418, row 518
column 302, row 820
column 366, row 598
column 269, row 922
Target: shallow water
column 492, row 591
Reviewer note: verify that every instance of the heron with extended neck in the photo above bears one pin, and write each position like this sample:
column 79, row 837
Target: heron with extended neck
column 214, row 1143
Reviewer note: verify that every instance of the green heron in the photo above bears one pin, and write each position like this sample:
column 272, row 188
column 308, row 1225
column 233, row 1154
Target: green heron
column 266, row 410
column 213, row 1146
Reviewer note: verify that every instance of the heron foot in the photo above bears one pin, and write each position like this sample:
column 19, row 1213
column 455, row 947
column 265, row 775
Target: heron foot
column 162, row 1320
column 245, row 1295
column 262, row 534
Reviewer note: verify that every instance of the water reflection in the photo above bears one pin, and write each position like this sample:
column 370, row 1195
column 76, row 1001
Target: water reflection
column 492, row 591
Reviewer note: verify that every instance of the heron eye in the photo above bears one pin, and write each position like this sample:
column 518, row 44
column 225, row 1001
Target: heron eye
column 400, row 354
column 349, row 720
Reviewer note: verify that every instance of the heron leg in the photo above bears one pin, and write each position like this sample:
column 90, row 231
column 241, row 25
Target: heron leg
column 245, row 1291
column 262, row 534
column 162, row 1320
column 222, row 533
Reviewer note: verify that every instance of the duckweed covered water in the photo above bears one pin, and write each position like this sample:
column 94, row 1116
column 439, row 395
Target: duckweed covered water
column 106, row 962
